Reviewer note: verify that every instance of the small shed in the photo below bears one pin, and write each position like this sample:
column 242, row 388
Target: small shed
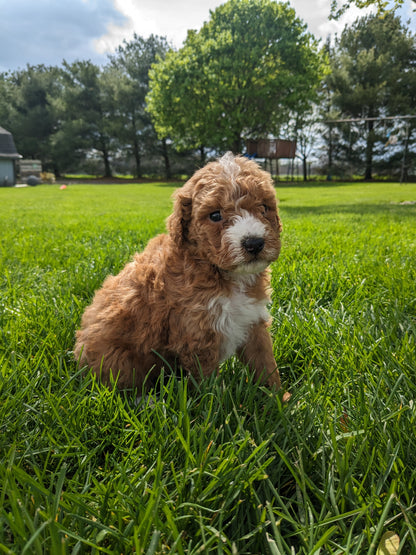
column 30, row 168
column 271, row 148
column 8, row 159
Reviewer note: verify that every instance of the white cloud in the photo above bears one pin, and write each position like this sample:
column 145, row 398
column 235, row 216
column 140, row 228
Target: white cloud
column 160, row 17
column 173, row 19
column 315, row 13
column 50, row 31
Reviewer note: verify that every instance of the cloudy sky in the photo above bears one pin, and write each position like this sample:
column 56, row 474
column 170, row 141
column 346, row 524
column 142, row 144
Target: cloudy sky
column 49, row 31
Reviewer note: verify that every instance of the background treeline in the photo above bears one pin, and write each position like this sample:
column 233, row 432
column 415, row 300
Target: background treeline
column 253, row 70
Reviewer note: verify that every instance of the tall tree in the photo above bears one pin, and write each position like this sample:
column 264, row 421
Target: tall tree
column 87, row 110
column 8, row 92
column 129, row 70
column 30, row 112
column 239, row 76
column 306, row 130
column 372, row 64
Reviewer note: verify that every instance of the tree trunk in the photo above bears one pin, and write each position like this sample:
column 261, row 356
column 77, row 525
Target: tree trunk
column 329, row 174
column 165, row 154
column 137, row 159
column 107, row 167
column 369, row 151
column 404, row 169
column 106, row 159
column 202, row 155
column 236, row 146
column 305, row 168
column 136, row 149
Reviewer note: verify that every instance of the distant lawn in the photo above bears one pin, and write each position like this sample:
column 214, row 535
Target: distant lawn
column 223, row 467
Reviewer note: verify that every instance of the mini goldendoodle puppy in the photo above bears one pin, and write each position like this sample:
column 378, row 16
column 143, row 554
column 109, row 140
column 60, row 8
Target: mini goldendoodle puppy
column 197, row 295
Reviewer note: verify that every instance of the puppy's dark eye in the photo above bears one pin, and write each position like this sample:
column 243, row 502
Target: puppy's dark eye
column 215, row 216
column 264, row 208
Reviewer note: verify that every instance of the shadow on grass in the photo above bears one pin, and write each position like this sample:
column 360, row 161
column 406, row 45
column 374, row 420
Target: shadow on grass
column 313, row 184
column 333, row 184
column 393, row 209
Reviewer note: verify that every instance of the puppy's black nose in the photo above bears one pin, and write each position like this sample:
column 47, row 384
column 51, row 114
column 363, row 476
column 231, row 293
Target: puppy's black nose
column 253, row 245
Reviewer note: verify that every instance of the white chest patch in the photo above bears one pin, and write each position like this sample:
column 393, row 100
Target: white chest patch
column 233, row 318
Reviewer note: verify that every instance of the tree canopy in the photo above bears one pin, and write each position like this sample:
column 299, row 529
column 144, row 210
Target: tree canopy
column 128, row 75
column 240, row 75
column 26, row 106
column 373, row 73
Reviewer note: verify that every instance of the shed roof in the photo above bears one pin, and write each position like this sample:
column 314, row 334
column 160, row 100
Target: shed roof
column 7, row 146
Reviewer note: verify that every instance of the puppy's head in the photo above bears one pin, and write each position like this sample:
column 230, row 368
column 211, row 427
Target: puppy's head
column 227, row 215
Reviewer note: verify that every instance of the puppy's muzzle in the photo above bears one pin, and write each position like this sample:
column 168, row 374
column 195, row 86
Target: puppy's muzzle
column 253, row 245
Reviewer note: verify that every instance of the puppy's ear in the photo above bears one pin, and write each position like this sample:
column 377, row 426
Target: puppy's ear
column 178, row 221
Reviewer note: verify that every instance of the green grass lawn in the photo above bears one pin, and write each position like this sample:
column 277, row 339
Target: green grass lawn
column 222, row 467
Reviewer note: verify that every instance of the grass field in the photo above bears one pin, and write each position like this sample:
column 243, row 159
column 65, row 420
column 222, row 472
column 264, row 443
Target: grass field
column 223, row 467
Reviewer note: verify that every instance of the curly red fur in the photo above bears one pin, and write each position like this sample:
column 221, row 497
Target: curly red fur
column 198, row 294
